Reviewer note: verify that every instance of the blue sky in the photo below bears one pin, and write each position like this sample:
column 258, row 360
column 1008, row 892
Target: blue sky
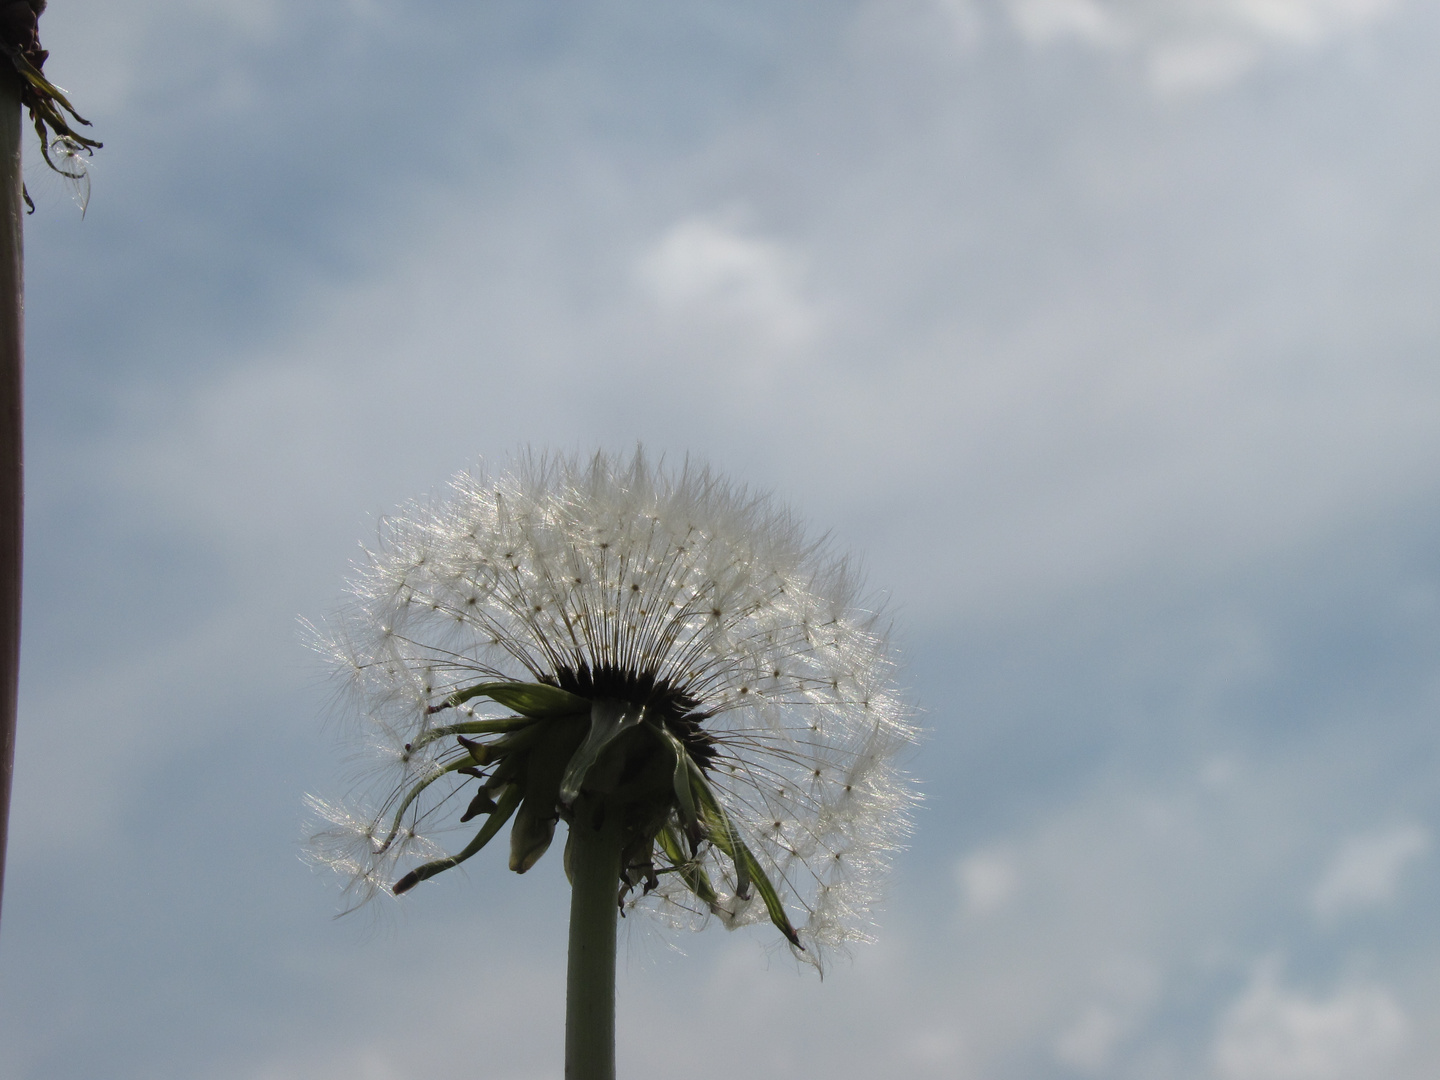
column 1104, row 331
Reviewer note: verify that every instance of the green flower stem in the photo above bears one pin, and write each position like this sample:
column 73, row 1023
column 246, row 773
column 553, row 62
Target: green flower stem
column 594, row 866
column 12, row 364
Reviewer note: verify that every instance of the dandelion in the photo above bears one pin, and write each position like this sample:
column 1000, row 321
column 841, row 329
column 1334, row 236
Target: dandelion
column 659, row 659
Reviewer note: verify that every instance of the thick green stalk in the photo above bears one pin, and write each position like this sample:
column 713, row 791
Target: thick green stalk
column 594, row 865
column 12, row 366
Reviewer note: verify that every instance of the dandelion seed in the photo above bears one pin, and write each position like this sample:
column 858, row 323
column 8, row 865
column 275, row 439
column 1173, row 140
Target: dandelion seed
column 70, row 160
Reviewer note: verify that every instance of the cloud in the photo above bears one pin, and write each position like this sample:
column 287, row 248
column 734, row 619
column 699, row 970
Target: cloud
column 709, row 271
column 1142, row 23
column 987, row 881
column 1271, row 1033
column 1365, row 872
column 1188, row 45
column 1123, row 992
column 1089, row 20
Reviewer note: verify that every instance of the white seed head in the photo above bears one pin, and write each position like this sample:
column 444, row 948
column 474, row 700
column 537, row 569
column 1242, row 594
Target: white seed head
column 619, row 566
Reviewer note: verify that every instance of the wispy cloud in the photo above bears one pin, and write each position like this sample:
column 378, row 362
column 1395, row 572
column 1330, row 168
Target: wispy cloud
column 1366, row 870
column 713, row 274
column 1182, row 45
column 1275, row 1033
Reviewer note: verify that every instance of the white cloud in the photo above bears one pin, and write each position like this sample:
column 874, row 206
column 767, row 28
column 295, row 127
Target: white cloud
column 1304, row 21
column 1271, row 1033
column 1365, row 872
column 711, row 271
column 936, row 1049
column 1089, row 1043
column 962, row 17
column 1123, row 990
column 1195, row 44
column 1201, row 62
column 1089, row 20
column 987, row 881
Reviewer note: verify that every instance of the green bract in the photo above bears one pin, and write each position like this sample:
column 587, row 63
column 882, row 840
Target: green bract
column 545, row 758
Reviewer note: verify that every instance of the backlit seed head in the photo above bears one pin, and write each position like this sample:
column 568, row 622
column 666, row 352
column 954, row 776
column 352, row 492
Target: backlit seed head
column 695, row 610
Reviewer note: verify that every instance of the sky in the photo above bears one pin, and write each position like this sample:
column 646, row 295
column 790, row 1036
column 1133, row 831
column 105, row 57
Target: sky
column 1102, row 331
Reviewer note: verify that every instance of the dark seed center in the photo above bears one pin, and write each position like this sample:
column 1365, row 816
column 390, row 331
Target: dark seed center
column 663, row 701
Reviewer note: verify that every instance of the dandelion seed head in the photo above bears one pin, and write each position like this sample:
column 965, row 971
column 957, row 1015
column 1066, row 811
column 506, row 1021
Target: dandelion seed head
column 697, row 603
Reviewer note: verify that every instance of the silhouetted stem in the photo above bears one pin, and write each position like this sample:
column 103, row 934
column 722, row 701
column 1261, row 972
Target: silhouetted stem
column 594, row 864
column 12, row 366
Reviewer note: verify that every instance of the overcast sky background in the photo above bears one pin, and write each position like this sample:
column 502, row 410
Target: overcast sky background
column 1105, row 331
